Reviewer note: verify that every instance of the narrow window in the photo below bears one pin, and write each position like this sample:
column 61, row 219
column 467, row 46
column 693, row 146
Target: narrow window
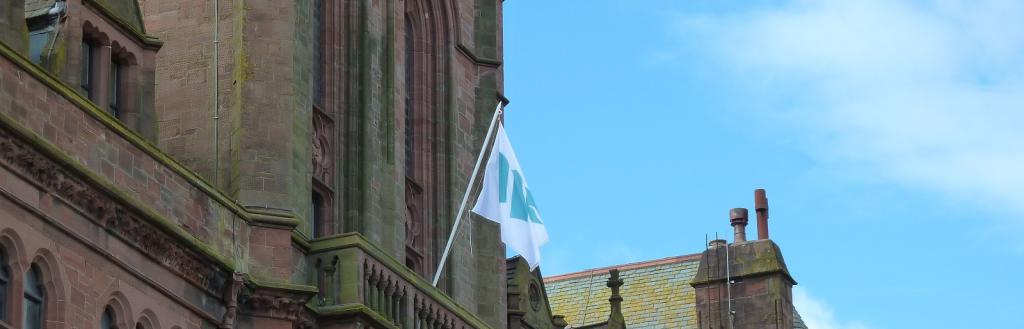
column 40, row 28
column 317, row 207
column 116, row 84
column 107, row 320
column 5, row 286
column 318, row 55
column 34, row 301
column 36, row 44
column 88, row 71
column 410, row 90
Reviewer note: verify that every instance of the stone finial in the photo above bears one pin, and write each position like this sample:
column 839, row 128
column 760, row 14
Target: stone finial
column 761, row 207
column 615, row 318
column 738, row 220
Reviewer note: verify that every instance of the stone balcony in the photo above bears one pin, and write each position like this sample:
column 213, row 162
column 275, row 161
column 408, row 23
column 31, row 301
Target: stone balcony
column 357, row 279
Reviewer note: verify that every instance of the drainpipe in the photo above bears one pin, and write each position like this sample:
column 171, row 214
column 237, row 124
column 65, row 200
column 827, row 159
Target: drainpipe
column 216, row 100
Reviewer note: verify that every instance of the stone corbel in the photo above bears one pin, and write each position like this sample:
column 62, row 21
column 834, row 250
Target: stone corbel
column 276, row 302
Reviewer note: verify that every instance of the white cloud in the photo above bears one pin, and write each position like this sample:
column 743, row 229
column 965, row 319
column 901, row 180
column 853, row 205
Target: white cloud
column 816, row 314
column 927, row 94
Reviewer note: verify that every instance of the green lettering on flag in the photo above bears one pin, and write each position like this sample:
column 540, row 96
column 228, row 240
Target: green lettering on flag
column 523, row 207
column 502, row 178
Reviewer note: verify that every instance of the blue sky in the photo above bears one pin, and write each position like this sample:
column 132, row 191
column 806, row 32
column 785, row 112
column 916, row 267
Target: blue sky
column 887, row 134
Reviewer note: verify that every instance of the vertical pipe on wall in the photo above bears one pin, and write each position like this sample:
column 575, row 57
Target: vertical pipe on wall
column 215, row 101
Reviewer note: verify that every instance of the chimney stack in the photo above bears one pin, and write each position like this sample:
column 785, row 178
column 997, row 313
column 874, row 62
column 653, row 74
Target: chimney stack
column 761, row 207
column 716, row 243
column 738, row 220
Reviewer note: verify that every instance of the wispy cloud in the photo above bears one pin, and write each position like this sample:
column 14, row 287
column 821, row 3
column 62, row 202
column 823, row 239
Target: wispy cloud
column 817, row 314
column 928, row 94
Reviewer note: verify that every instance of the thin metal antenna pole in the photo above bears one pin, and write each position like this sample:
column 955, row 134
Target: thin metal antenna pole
column 465, row 197
column 707, row 274
column 728, row 286
column 586, row 302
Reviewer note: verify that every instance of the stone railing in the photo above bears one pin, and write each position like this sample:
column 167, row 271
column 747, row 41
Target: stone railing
column 351, row 272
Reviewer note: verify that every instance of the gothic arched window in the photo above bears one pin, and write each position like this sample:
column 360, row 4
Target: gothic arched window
column 426, row 102
column 107, row 320
column 5, row 286
column 34, row 300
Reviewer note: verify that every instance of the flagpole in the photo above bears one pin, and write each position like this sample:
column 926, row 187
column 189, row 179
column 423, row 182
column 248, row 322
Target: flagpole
column 465, row 197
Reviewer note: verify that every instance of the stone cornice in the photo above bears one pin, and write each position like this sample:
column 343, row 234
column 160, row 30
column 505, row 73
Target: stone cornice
column 122, row 215
column 138, row 33
column 349, row 310
column 274, row 299
column 486, row 62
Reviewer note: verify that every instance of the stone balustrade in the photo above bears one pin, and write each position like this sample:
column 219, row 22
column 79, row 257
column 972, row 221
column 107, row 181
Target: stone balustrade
column 350, row 272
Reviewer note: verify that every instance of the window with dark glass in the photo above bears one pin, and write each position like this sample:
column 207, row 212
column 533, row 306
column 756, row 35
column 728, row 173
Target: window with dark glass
column 318, row 54
column 5, row 286
column 116, row 87
column 317, row 207
column 40, row 29
column 107, row 320
column 88, row 69
column 34, row 300
column 410, row 85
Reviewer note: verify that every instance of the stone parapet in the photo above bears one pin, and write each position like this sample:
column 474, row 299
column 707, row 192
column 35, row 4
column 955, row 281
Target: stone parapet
column 355, row 276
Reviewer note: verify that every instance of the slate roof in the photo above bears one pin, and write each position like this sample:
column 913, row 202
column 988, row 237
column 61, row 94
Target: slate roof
column 656, row 294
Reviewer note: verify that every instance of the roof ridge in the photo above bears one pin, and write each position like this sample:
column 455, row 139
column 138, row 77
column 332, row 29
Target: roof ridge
column 623, row 267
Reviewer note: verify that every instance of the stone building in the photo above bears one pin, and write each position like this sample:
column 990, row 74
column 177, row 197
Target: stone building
column 192, row 164
column 248, row 164
column 747, row 277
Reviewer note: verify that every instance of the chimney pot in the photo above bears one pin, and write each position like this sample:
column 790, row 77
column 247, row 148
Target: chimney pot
column 761, row 207
column 738, row 219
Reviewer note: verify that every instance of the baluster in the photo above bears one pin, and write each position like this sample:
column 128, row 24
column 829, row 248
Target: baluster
column 388, row 290
column 366, row 282
column 374, row 294
column 421, row 313
column 403, row 308
column 430, row 317
column 396, row 307
column 437, row 318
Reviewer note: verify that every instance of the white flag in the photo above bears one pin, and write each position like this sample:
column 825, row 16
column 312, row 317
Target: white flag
column 506, row 199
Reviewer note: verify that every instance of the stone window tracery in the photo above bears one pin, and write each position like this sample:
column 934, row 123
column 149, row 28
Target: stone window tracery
column 424, row 107
column 323, row 221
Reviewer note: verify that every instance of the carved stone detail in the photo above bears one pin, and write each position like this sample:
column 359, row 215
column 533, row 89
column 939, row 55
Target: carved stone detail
column 274, row 303
column 119, row 219
column 323, row 167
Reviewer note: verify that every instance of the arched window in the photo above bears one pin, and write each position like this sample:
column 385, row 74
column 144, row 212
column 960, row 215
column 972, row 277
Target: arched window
column 5, row 286
column 107, row 320
column 35, row 298
column 426, row 160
